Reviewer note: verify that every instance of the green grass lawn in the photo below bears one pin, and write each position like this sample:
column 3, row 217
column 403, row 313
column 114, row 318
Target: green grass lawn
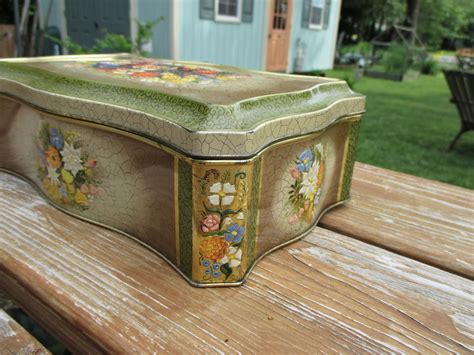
column 408, row 127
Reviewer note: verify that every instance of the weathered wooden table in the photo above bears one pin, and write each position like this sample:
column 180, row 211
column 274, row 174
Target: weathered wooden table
column 391, row 271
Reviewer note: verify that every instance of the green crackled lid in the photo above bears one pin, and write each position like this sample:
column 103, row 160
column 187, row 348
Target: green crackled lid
column 200, row 109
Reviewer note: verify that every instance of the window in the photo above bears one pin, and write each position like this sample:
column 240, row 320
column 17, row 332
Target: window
column 316, row 14
column 228, row 10
column 279, row 15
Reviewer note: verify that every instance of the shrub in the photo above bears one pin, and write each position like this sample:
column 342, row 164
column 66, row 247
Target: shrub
column 396, row 59
column 429, row 67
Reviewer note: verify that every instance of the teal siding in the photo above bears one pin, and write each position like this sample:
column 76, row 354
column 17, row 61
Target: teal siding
column 149, row 10
column 55, row 17
column 240, row 44
column 318, row 44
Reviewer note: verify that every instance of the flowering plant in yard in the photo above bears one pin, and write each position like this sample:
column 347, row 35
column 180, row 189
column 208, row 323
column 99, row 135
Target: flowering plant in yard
column 305, row 192
column 65, row 170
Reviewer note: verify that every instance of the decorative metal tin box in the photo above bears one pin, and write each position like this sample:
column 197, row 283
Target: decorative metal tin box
column 210, row 166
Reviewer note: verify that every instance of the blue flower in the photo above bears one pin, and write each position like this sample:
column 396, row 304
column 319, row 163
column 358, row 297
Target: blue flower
column 56, row 138
column 106, row 65
column 234, row 234
column 41, row 154
column 305, row 160
column 62, row 190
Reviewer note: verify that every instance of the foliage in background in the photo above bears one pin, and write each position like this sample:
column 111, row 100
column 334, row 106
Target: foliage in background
column 396, row 59
column 113, row 42
column 440, row 22
column 144, row 35
column 446, row 19
column 350, row 80
column 368, row 18
column 408, row 127
column 429, row 67
column 6, row 12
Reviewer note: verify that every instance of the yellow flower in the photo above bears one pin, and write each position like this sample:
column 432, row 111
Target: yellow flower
column 71, row 189
column 52, row 190
column 214, row 248
column 188, row 78
column 81, row 198
column 171, row 77
column 88, row 172
column 67, row 176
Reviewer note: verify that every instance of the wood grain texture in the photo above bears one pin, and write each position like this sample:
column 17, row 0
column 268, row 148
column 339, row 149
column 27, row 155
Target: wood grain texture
column 16, row 340
column 423, row 219
column 99, row 290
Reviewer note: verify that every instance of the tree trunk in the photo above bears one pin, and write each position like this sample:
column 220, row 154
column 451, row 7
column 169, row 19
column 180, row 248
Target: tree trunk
column 413, row 10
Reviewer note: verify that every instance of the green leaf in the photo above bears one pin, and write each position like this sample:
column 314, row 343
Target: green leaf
column 226, row 270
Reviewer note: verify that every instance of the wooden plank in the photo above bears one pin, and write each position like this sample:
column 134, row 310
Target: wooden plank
column 16, row 340
column 423, row 219
column 326, row 293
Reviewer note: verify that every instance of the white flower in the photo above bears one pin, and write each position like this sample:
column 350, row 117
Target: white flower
column 72, row 158
column 53, row 175
column 240, row 215
column 234, row 258
column 223, row 194
column 319, row 147
column 310, row 182
column 227, row 221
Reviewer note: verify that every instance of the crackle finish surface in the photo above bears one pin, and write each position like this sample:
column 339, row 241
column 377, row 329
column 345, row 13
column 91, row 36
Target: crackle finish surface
column 223, row 118
column 212, row 167
column 212, row 220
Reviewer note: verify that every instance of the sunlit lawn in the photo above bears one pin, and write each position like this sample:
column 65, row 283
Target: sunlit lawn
column 408, row 127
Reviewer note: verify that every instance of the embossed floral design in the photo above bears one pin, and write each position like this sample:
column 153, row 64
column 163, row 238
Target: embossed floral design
column 222, row 224
column 222, row 194
column 150, row 70
column 210, row 223
column 72, row 158
column 52, row 157
column 66, row 173
column 308, row 175
column 233, row 258
column 214, row 248
column 305, row 160
column 234, row 234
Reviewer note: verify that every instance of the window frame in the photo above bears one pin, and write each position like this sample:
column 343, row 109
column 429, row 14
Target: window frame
column 313, row 26
column 225, row 18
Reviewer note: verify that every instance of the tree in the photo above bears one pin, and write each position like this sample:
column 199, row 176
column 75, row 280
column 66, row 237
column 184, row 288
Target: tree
column 413, row 11
column 444, row 19
column 368, row 18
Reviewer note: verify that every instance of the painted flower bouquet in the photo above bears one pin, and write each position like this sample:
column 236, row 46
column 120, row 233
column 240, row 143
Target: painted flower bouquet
column 305, row 192
column 66, row 172
column 222, row 225
column 154, row 71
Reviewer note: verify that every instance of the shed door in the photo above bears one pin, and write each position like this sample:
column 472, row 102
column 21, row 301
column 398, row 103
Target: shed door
column 88, row 19
column 279, row 35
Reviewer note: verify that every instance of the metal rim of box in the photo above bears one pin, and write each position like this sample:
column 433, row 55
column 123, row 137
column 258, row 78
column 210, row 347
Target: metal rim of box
column 241, row 143
column 165, row 146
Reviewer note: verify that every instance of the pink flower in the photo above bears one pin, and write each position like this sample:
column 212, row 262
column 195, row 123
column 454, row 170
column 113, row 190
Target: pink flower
column 294, row 173
column 293, row 219
column 91, row 163
column 92, row 190
column 210, row 223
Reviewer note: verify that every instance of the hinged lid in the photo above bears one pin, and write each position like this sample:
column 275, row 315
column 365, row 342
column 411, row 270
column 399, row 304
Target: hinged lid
column 200, row 109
